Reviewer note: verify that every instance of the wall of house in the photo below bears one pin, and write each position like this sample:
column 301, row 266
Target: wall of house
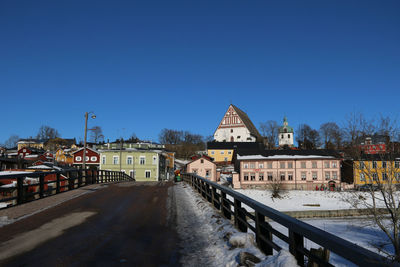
column 149, row 165
column 219, row 155
column 225, row 134
column 304, row 175
column 368, row 171
column 200, row 167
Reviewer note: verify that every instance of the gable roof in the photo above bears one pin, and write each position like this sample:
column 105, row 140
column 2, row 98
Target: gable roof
column 247, row 122
column 87, row 148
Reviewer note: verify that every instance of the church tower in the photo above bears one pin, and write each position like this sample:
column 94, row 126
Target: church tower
column 286, row 135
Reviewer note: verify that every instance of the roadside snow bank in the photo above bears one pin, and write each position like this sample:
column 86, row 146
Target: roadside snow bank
column 205, row 235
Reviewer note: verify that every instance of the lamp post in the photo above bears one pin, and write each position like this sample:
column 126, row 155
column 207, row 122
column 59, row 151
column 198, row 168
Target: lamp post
column 84, row 145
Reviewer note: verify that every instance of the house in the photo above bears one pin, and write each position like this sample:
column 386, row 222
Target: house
column 236, row 126
column 92, row 158
column 204, row 167
column 292, row 169
column 375, row 144
column 31, row 143
column 374, row 169
column 143, row 165
column 64, row 156
column 24, row 152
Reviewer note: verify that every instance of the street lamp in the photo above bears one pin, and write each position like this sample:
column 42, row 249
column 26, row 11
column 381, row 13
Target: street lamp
column 84, row 145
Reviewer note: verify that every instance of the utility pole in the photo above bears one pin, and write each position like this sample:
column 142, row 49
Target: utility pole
column 120, row 155
column 84, row 143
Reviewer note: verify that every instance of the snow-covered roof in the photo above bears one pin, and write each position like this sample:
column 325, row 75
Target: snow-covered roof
column 13, row 172
column 31, row 156
column 255, row 157
column 40, row 167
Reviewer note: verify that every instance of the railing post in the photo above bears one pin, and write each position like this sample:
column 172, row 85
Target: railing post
column 261, row 231
column 226, row 206
column 41, row 185
column 58, row 183
column 71, row 182
column 216, row 199
column 239, row 214
column 296, row 242
column 102, row 176
column 20, row 190
column 79, row 178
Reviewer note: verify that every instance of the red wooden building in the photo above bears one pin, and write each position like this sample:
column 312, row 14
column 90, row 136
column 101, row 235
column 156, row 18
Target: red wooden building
column 92, row 157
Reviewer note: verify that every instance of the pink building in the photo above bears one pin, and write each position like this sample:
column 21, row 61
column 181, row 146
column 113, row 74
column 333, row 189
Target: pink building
column 204, row 167
column 303, row 172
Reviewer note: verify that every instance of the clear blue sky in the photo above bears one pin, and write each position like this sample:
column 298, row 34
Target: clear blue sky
column 142, row 66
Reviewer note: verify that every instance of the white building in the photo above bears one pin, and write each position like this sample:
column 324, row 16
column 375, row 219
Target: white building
column 286, row 134
column 236, row 126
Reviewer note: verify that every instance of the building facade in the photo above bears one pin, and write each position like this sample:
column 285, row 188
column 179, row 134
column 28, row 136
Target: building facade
column 143, row 165
column 92, row 158
column 302, row 172
column 236, row 126
column 376, row 170
column 204, row 167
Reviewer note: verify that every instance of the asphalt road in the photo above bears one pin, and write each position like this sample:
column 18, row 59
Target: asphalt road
column 125, row 224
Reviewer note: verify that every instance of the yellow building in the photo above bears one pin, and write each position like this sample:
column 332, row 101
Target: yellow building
column 64, row 156
column 31, row 143
column 220, row 155
column 376, row 170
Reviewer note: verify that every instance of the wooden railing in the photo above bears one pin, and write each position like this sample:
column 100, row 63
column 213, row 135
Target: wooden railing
column 266, row 235
column 30, row 186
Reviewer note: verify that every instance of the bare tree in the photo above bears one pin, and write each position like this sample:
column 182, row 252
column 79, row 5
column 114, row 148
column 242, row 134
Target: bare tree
column 331, row 135
column 12, row 141
column 270, row 131
column 54, row 144
column 46, row 132
column 171, row 137
column 307, row 138
column 380, row 175
column 133, row 138
column 96, row 134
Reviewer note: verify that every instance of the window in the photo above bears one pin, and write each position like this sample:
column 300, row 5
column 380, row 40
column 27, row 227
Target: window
column 238, row 137
column 290, row 176
column 229, row 152
column 384, row 164
column 303, row 164
column 246, row 166
column 327, row 175
column 252, row 176
column 334, row 175
column 362, row 165
column 103, row 160
column 397, row 164
column 94, row 158
column 374, row 164
column 222, row 152
column 397, row 176
column 269, row 176
column 315, row 175
column 261, row 176
column 303, row 176
column 362, row 177
column 282, row 164
column 195, row 171
column 202, row 161
column 231, row 130
column 78, row 158
column 326, row 164
column 129, row 160
column 154, row 160
column 115, row 160
column 142, row 160
column 290, row 165
column 87, row 158
column 132, row 173
column 147, row 174
column 252, row 165
column 288, row 136
column 208, row 173
column 375, row 176
column 334, row 164
column 260, row 165
column 225, row 159
column 384, row 176
column 246, row 176
column 269, row 165
column 314, row 165
column 212, row 152
column 282, row 176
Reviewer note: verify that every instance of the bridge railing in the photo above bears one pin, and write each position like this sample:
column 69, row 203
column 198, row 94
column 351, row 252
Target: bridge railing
column 28, row 186
column 230, row 203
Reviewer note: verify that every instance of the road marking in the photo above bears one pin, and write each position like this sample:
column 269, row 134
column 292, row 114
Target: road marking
column 27, row 241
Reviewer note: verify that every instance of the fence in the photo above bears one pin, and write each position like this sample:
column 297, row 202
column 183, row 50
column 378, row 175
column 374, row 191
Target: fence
column 25, row 187
column 264, row 232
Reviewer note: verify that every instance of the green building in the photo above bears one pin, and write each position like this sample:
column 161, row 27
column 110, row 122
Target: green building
column 143, row 165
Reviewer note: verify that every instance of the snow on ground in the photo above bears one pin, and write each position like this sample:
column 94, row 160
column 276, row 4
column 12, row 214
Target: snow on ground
column 357, row 230
column 206, row 235
column 296, row 200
